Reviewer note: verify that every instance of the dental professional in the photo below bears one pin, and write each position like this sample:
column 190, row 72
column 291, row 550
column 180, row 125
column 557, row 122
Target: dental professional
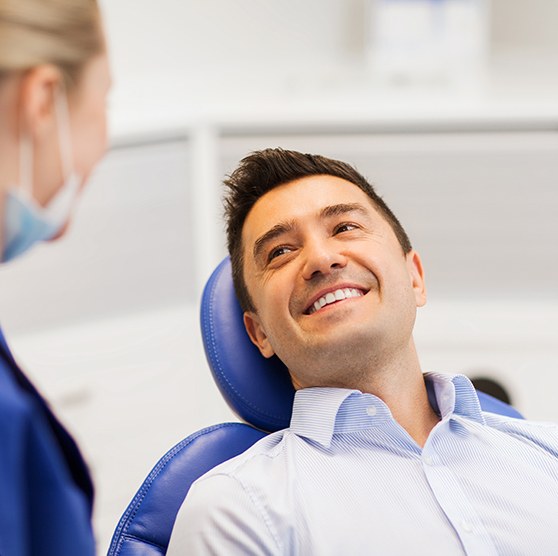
column 54, row 80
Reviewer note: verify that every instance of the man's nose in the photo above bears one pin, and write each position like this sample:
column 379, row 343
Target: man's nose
column 321, row 258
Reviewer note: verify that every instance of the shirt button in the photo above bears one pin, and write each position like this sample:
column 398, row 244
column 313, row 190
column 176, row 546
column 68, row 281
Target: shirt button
column 466, row 526
column 371, row 411
column 428, row 460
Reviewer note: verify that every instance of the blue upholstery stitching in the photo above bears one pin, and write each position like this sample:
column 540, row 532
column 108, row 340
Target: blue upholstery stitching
column 132, row 509
column 143, row 541
column 277, row 419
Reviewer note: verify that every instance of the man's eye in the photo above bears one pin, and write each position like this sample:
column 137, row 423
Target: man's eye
column 345, row 227
column 277, row 252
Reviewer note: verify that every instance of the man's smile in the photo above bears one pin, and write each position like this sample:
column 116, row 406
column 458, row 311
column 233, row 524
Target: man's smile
column 333, row 295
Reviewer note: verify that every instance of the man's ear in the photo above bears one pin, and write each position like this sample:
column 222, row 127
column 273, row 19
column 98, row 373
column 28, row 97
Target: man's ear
column 416, row 273
column 257, row 333
column 38, row 90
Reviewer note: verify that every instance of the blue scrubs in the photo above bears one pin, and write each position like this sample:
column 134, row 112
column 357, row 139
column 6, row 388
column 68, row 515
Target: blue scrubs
column 46, row 493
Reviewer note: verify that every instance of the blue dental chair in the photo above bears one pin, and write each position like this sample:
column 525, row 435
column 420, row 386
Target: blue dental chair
column 258, row 390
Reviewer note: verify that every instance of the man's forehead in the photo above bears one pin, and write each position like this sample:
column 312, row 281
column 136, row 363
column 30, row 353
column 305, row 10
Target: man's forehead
column 309, row 194
column 301, row 198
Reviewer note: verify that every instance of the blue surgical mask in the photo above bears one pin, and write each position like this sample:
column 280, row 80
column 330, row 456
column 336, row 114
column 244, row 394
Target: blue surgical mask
column 25, row 221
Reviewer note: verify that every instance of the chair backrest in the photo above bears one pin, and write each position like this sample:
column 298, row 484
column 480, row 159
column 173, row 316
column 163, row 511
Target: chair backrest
column 258, row 390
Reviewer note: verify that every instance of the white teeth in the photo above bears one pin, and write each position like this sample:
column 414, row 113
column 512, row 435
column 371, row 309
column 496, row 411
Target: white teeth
column 332, row 297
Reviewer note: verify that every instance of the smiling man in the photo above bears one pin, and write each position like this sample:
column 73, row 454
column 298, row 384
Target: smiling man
column 379, row 458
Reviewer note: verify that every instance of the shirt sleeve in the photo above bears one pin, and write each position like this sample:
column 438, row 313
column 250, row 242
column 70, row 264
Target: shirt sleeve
column 219, row 517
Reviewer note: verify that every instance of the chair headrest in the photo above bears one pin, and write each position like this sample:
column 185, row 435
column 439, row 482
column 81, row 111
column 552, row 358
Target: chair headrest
column 257, row 389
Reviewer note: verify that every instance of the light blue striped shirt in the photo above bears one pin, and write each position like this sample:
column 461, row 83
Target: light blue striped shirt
column 346, row 478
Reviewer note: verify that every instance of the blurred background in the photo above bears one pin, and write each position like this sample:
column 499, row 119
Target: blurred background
column 450, row 107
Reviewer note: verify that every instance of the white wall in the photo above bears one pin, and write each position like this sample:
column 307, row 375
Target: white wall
column 277, row 40
column 517, row 25
column 201, row 36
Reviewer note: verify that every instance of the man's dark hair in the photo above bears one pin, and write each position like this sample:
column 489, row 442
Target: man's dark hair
column 262, row 171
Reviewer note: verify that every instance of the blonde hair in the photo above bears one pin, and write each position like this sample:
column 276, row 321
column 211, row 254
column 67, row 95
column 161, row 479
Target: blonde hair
column 65, row 33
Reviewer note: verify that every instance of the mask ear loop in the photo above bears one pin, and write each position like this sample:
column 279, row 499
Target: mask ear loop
column 61, row 205
column 26, row 162
column 64, row 136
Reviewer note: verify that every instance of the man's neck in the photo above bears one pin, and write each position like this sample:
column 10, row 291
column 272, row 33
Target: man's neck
column 400, row 385
column 398, row 381
column 408, row 402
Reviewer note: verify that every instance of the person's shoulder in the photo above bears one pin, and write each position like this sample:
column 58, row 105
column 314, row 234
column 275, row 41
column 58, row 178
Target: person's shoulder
column 255, row 473
column 543, row 434
column 15, row 403
column 226, row 510
column 505, row 421
column 259, row 455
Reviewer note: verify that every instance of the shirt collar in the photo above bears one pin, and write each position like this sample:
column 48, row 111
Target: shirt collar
column 453, row 395
column 319, row 413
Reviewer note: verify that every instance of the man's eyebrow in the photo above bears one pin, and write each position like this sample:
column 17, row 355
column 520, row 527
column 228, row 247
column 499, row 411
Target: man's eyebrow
column 286, row 227
column 342, row 208
column 272, row 233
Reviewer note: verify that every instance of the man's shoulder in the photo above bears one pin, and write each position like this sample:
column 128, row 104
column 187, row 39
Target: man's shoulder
column 256, row 458
column 498, row 420
column 241, row 486
column 542, row 434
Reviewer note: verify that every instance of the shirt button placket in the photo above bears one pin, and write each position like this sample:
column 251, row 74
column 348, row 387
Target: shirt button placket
column 466, row 526
column 456, row 505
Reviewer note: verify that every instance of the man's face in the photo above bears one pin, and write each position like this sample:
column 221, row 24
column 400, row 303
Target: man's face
column 332, row 288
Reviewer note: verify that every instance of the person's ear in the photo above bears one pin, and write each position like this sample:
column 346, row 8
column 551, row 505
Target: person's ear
column 37, row 98
column 257, row 333
column 416, row 274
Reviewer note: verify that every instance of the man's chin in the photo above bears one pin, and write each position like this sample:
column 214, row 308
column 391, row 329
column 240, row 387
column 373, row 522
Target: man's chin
column 337, row 332
column 335, row 349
